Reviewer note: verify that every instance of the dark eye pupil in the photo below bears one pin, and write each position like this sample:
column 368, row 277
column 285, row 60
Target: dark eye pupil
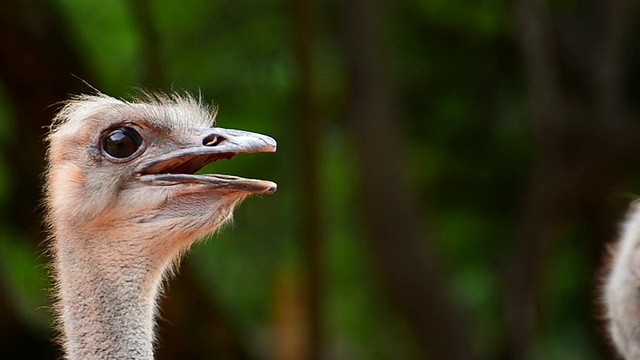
column 122, row 142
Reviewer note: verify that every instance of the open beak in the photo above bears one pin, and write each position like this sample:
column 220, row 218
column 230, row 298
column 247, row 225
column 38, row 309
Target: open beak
column 179, row 167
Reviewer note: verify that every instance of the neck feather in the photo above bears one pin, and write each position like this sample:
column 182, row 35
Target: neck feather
column 107, row 302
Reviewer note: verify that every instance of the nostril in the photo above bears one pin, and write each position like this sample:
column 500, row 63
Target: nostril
column 212, row 140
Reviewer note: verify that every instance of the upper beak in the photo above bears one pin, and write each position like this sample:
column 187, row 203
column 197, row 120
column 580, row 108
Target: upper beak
column 209, row 145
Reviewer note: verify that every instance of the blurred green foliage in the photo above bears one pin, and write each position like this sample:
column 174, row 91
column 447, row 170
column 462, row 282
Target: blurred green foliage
column 465, row 112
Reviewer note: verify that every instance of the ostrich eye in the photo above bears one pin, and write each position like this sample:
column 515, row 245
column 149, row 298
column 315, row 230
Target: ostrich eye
column 122, row 142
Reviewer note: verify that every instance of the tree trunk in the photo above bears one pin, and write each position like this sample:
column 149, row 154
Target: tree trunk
column 393, row 218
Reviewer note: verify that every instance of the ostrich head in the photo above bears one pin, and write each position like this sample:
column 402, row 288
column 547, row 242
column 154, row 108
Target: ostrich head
column 123, row 203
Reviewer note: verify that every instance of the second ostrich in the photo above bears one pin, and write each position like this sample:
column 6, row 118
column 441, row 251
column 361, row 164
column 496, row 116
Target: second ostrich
column 622, row 289
column 124, row 202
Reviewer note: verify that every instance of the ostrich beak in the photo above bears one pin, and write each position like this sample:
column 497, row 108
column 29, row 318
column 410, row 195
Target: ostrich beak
column 209, row 145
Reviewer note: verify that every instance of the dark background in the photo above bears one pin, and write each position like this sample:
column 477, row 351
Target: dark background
column 450, row 172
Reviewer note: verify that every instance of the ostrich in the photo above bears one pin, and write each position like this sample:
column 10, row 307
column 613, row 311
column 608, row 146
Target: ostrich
column 622, row 289
column 123, row 204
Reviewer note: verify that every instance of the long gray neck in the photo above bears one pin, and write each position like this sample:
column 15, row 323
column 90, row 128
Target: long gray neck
column 106, row 303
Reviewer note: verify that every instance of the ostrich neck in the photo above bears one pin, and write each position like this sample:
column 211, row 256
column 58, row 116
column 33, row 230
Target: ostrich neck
column 106, row 301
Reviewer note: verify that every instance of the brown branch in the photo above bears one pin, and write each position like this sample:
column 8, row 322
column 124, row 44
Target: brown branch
column 537, row 46
column 611, row 65
column 309, row 135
